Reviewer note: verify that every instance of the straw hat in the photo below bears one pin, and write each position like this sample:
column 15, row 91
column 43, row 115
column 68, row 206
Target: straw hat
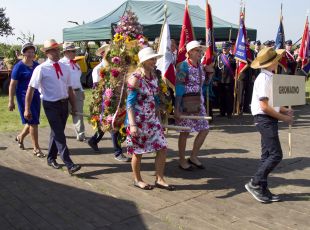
column 27, row 45
column 267, row 57
column 194, row 44
column 69, row 46
column 104, row 48
column 147, row 53
column 50, row 44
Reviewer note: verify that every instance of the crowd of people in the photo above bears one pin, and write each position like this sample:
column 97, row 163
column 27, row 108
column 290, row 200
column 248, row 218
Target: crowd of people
column 57, row 82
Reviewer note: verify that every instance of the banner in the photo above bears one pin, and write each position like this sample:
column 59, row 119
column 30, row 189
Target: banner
column 165, row 63
column 187, row 35
column 241, row 47
column 304, row 51
column 208, row 57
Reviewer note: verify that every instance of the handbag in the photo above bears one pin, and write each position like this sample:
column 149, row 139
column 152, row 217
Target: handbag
column 191, row 102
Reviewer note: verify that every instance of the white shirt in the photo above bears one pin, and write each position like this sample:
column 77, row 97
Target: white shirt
column 262, row 90
column 44, row 78
column 96, row 72
column 75, row 73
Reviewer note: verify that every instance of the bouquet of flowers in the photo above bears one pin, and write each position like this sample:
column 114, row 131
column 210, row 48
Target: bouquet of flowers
column 108, row 108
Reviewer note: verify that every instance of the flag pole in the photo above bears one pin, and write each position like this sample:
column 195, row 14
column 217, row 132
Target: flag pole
column 236, row 71
column 290, row 138
column 207, row 94
column 235, row 89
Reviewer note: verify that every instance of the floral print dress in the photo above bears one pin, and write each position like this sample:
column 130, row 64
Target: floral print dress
column 192, row 85
column 150, row 136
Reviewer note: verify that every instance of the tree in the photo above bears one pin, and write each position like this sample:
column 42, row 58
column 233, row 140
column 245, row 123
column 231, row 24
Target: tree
column 5, row 28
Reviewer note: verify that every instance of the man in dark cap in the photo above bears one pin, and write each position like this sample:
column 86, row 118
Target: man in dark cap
column 267, row 43
column 272, row 43
column 225, row 70
column 291, row 62
column 257, row 48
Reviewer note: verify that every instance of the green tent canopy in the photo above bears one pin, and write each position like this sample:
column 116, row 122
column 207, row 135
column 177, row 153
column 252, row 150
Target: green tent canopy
column 151, row 15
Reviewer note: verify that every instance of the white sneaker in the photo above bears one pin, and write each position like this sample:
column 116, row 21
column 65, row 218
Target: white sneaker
column 122, row 158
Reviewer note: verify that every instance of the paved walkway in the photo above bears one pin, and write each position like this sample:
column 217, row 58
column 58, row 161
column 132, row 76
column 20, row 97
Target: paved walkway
column 101, row 195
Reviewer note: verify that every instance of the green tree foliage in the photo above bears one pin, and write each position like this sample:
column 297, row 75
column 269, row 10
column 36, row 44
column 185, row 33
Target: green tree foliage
column 5, row 28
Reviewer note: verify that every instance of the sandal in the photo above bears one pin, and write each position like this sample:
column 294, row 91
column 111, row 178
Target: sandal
column 38, row 153
column 20, row 143
column 146, row 187
column 167, row 187
column 201, row 166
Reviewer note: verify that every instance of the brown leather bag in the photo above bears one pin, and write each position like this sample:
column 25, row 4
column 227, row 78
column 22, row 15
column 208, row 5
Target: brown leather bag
column 191, row 102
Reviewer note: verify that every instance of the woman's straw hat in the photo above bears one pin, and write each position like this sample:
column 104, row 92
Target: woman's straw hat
column 267, row 57
column 147, row 53
column 194, row 44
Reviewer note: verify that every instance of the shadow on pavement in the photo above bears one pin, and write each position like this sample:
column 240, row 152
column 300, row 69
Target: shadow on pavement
column 29, row 202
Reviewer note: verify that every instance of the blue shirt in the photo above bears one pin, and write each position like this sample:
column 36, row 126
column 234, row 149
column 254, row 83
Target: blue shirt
column 22, row 73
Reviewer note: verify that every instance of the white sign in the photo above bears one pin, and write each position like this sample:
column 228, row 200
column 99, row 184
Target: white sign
column 288, row 90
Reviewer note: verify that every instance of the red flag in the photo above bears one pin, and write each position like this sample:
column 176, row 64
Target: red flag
column 187, row 35
column 209, row 37
column 304, row 47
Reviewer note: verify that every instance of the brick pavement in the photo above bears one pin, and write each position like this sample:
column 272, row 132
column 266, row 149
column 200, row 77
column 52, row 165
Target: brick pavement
column 101, row 195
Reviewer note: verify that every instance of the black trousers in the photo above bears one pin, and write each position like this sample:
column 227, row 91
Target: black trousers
column 57, row 115
column 226, row 98
column 271, row 148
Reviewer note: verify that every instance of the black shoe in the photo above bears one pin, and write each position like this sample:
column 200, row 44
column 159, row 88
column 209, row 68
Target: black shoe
column 272, row 197
column 74, row 169
column 53, row 164
column 93, row 145
column 198, row 166
column 168, row 187
column 257, row 192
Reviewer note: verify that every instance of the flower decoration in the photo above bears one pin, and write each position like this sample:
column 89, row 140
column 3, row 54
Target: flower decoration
column 118, row 37
column 108, row 108
column 115, row 72
column 116, row 60
column 109, row 93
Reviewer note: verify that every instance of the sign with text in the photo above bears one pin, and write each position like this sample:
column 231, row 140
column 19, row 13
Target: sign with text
column 288, row 90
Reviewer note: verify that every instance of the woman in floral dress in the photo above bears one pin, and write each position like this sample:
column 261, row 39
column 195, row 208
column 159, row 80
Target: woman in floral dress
column 144, row 131
column 191, row 79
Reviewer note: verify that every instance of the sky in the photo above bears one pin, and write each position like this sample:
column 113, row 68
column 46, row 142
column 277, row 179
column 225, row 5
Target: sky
column 46, row 19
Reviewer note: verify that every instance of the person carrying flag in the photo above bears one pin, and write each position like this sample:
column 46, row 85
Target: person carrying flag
column 290, row 60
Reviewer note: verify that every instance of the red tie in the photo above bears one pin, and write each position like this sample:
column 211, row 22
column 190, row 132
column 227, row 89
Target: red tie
column 73, row 64
column 57, row 69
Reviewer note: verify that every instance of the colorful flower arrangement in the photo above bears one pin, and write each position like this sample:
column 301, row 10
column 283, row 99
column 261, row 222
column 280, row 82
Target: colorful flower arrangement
column 107, row 113
column 108, row 108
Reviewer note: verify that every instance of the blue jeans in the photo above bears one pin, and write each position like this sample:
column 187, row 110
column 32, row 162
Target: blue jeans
column 114, row 135
column 271, row 148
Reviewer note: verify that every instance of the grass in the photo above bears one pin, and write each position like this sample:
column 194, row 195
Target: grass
column 10, row 121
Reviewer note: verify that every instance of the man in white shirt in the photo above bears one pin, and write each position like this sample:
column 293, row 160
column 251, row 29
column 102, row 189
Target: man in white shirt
column 266, row 118
column 52, row 78
column 69, row 51
column 94, row 140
